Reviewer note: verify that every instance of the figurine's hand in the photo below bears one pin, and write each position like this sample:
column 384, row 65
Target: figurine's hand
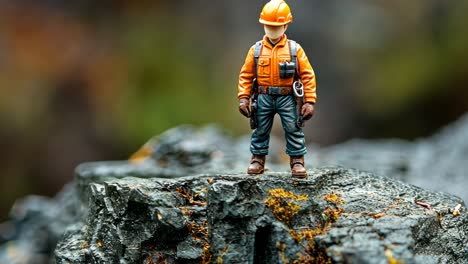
column 244, row 107
column 307, row 111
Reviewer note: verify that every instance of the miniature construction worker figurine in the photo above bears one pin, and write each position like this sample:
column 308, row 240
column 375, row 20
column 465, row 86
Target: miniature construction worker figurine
column 277, row 78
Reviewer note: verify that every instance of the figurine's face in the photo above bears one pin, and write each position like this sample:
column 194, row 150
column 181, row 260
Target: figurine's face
column 275, row 32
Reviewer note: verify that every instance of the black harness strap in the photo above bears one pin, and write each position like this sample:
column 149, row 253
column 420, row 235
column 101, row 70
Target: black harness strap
column 293, row 52
column 257, row 49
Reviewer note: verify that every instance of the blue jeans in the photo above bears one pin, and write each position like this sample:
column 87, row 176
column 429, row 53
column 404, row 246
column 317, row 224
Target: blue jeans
column 285, row 106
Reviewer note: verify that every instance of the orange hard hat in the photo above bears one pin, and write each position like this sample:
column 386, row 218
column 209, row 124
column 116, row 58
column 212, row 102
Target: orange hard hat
column 276, row 13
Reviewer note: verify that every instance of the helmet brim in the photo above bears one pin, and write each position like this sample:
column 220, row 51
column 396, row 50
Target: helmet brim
column 269, row 23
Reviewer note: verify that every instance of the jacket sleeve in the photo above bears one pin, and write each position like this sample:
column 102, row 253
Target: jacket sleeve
column 307, row 76
column 246, row 76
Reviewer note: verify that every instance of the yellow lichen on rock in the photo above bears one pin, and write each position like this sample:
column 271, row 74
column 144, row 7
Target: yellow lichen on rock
column 334, row 199
column 283, row 204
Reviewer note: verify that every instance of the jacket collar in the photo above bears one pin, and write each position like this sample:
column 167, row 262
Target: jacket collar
column 281, row 43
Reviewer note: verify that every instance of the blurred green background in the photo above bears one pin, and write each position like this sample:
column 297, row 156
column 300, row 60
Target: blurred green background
column 84, row 80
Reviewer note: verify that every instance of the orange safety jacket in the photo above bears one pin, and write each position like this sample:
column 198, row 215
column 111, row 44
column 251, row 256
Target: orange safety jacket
column 268, row 69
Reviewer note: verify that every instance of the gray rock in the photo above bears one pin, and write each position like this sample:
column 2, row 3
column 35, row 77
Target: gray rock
column 189, row 201
column 36, row 225
column 135, row 220
column 437, row 163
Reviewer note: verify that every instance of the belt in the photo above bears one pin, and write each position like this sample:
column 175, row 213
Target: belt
column 275, row 90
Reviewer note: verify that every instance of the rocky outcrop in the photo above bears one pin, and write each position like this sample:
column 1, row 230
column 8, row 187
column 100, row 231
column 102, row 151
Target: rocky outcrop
column 183, row 198
column 339, row 215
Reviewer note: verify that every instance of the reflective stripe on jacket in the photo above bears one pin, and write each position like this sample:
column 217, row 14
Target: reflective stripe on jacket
column 268, row 69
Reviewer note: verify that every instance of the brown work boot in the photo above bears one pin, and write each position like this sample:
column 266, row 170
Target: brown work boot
column 297, row 167
column 257, row 164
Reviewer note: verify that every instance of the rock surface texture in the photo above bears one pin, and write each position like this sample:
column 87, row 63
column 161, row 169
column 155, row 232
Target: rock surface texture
column 338, row 215
column 183, row 198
